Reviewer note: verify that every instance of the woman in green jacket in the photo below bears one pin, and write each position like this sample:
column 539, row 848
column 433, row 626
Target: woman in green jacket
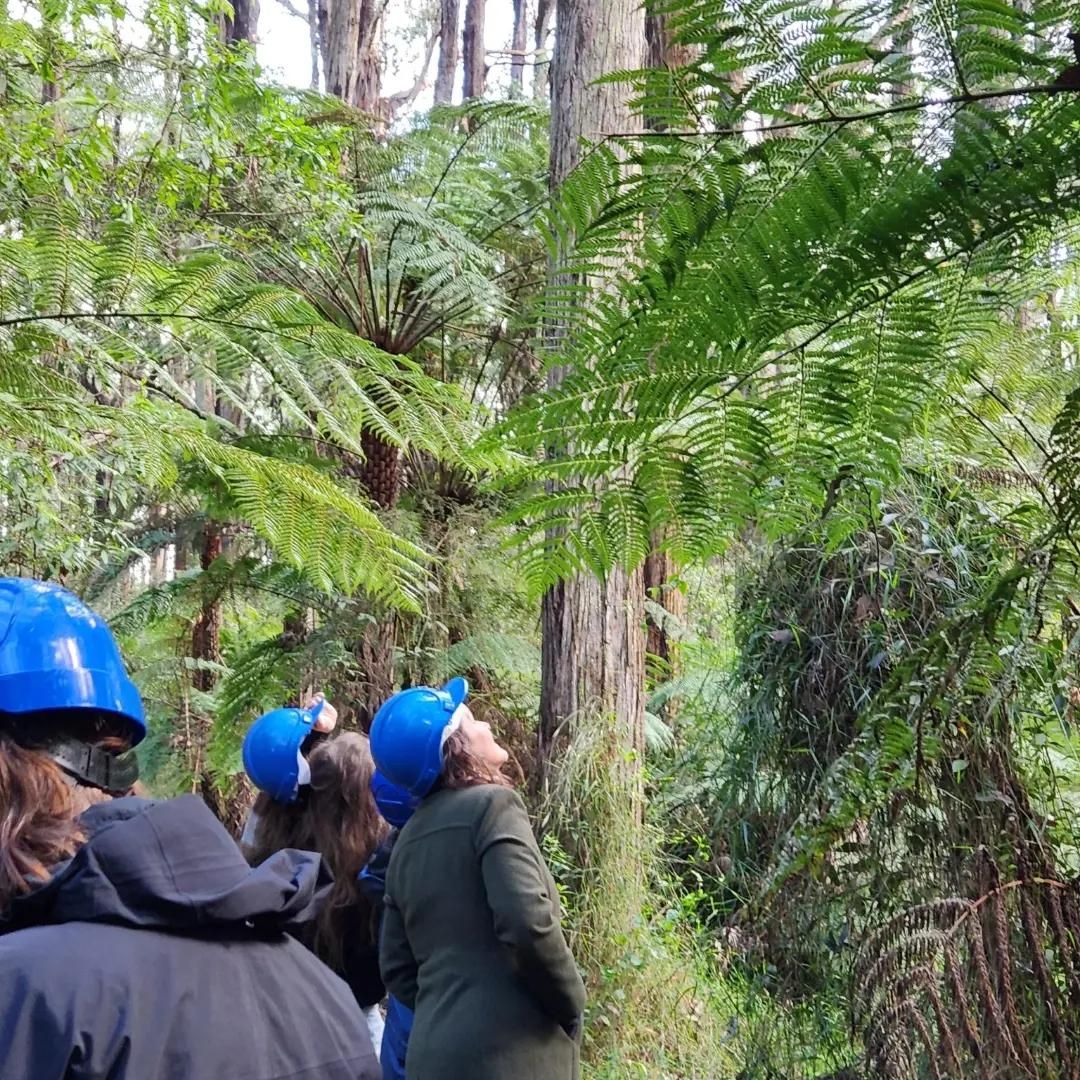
column 471, row 935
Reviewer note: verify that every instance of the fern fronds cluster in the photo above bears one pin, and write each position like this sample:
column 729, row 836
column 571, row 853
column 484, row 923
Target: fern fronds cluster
column 108, row 317
column 802, row 296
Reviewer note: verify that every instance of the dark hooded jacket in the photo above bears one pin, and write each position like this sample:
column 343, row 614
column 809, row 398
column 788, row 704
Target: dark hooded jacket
column 156, row 953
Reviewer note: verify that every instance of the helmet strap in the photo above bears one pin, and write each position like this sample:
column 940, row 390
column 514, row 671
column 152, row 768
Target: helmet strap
column 114, row 773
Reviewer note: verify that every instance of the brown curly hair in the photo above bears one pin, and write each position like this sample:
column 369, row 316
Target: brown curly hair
column 462, row 768
column 337, row 817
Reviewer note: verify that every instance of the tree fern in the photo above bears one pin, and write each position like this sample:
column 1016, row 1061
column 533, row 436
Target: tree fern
column 797, row 301
column 265, row 350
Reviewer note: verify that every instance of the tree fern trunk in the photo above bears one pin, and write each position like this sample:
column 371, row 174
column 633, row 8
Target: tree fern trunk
column 296, row 628
column 374, row 654
column 230, row 803
column 449, row 13
column 206, row 633
column 380, row 473
column 593, row 652
column 659, row 570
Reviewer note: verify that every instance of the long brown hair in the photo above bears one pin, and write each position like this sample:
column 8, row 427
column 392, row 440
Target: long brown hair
column 337, row 817
column 39, row 813
column 462, row 768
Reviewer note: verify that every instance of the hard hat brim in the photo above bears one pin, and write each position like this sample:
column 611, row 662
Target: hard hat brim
column 80, row 690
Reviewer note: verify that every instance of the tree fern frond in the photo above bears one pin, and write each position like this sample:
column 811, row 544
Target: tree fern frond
column 797, row 303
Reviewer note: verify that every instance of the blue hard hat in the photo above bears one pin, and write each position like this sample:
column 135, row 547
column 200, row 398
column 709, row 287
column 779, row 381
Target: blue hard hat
column 395, row 804
column 272, row 751
column 58, row 655
column 408, row 733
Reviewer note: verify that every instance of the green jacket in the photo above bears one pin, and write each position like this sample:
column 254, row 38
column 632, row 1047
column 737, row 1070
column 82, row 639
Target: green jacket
column 471, row 940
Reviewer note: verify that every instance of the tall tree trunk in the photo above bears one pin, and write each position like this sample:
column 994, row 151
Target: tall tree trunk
column 542, row 61
column 313, row 38
column 296, row 628
column 206, row 632
column 659, row 571
column 449, row 12
column 350, row 33
column 517, row 47
column 474, row 58
column 593, row 651
column 228, row 797
column 243, row 26
column 373, row 647
column 662, row 52
column 205, row 649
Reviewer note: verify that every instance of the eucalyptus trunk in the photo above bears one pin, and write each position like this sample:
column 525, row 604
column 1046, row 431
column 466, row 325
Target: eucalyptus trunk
column 518, row 44
column 474, row 58
column 449, row 13
column 243, row 25
column 350, row 36
column 541, row 59
column 593, row 653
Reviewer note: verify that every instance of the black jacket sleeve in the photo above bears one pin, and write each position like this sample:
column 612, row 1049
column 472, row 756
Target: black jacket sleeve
column 526, row 913
column 360, row 968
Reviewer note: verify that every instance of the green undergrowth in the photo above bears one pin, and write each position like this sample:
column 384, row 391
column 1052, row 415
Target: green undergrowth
column 664, row 1001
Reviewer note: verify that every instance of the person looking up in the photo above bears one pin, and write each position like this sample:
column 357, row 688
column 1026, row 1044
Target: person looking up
column 471, row 939
column 315, row 794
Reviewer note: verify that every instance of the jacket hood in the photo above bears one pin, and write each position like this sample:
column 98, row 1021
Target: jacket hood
column 172, row 866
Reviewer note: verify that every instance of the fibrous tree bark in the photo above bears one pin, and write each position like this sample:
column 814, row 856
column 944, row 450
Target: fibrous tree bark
column 662, row 52
column 660, row 572
column 206, row 631
column 593, row 652
column 474, row 59
column 350, row 35
column 449, row 12
column 661, row 49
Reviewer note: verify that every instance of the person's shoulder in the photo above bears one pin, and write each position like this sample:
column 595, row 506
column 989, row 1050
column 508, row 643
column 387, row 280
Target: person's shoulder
column 484, row 797
column 38, row 959
column 45, row 941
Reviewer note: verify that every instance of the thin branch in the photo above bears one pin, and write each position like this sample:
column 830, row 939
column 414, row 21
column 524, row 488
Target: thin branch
column 407, row 97
column 293, row 10
column 946, row 31
column 1039, row 90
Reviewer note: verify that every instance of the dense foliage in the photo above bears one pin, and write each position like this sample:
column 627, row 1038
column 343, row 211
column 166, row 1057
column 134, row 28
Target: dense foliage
column 272, row 397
